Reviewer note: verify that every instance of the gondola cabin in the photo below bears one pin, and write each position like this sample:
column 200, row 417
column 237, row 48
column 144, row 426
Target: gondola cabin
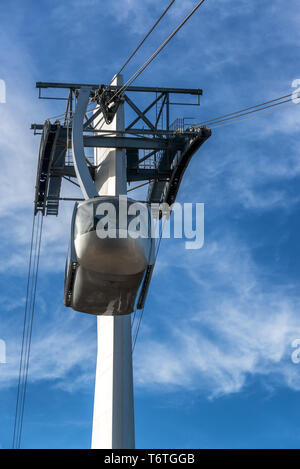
column 109, row 253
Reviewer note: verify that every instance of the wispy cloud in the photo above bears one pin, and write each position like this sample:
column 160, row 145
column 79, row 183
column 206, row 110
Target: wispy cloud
column 244, row 326
column 63, row 348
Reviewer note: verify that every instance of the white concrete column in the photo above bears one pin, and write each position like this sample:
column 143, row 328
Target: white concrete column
column 113, row 422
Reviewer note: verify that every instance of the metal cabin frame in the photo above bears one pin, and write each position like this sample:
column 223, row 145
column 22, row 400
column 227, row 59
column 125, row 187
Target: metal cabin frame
column 167, row 148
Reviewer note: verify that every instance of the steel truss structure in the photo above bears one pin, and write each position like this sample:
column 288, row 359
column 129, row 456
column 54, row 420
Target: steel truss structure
column 167, row 147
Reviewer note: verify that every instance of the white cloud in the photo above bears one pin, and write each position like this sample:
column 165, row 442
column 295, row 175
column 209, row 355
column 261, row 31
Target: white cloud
column 244, row 327
column 63, row 349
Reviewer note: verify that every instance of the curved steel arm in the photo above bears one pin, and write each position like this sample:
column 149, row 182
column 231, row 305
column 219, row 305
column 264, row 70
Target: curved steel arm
column 82, row 172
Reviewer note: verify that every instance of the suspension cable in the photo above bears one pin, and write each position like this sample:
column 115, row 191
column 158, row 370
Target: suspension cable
column 152, row 57
column 158, row 50
column 134, row 52
column 142, row 311
column 256, row 108
column 233, row 121
column 24, row 330
column 35, row 247
column 256, row 113
column 143, row 40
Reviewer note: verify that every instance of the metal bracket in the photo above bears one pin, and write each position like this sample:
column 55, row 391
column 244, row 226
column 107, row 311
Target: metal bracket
column 109, row 101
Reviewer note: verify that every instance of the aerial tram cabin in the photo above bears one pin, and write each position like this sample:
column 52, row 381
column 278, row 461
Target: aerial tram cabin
column 103, row 274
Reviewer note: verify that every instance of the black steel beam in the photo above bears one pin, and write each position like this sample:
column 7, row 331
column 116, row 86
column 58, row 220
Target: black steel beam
column 129, row 131
column 151, row 89
column 129, row 142
column 37, row 126
column 66, row 171
column 140, row 114
column 147, row 175
column 138, row 174
column 145, row 111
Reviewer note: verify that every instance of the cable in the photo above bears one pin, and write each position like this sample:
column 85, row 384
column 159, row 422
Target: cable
column 31, row 327
column 236, row 113
column 150, row 59
column 24, row 329
column 35, row 247
column 27, row 322
column 142, row 42
column 160, row 48
column 252, row 117
column 245, row 109
column 142, row 312
column 137, row 329
column 133, row 53
column 251, row 112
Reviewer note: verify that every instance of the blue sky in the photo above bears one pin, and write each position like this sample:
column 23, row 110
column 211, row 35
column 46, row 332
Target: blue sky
column 213, row 362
